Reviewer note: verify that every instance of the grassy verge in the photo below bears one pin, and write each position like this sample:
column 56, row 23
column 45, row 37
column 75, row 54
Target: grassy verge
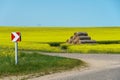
column 36, row 63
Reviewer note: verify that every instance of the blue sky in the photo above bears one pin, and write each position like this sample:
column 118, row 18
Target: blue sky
column 60, row 12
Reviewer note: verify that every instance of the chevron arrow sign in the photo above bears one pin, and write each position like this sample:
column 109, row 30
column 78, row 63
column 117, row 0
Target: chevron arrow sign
column 16, row 36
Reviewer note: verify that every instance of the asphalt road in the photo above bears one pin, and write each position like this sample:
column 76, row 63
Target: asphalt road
column 107, row 74
column 102, row 67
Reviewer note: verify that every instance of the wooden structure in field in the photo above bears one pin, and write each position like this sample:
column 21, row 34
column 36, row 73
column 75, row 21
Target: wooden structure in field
column 80, row 38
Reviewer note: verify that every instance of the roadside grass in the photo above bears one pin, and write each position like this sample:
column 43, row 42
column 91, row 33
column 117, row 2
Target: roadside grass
column 30, row 63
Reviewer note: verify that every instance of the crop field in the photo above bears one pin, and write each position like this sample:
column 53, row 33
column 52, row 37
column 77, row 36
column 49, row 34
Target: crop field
column 52, row 39
column 58, row 34
column 32, row 39
column 41, row 39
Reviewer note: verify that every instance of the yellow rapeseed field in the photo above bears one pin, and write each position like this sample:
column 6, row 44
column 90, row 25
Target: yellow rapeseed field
column 37, row 38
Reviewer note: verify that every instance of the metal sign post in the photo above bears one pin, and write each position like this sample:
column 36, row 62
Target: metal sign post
column 16, row 52
column 16, row 37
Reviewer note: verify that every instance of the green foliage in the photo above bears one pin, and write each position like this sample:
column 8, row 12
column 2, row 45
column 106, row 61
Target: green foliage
column 56, row 44
column 35, row 63
column 30, row 63
column 64, row 46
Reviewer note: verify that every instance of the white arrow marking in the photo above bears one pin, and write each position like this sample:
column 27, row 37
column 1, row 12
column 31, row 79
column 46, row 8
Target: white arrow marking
column 16, row 36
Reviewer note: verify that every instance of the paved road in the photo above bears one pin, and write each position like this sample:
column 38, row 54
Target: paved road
column 107, row 74
column 102, row 67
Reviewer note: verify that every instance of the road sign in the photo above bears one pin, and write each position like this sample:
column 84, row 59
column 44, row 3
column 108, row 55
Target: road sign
column 15, row 36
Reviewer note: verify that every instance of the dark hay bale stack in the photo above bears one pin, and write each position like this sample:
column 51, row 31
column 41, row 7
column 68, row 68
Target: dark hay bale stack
column 87, row 41
column 80, row 38
column 76, row 41
column 74, row 37
column 70, row 40
column 81, row 34
column 83, row 38
column 71, row 37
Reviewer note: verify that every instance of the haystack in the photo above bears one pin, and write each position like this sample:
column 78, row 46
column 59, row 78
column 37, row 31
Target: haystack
column 80, row 38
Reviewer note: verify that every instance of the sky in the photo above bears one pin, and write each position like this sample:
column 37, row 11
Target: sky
column 60, row 13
